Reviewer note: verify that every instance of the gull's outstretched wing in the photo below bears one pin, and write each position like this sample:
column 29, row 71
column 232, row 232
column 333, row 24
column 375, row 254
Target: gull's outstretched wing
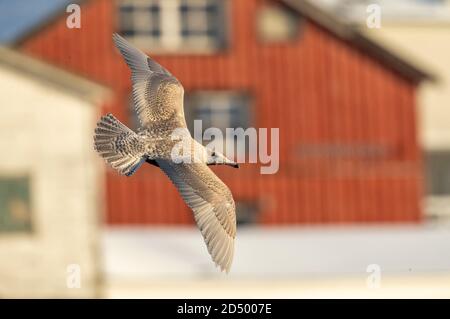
column 157, row 94
column 212, row 204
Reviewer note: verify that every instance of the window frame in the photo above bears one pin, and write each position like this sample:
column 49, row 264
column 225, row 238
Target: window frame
column 298, row 19
column 436, row 183
column 179, row 45
column 31, row 211
column 252, row 218
column 193, row 96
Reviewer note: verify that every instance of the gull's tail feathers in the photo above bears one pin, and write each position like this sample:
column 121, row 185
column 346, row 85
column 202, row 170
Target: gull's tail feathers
column 122, row 148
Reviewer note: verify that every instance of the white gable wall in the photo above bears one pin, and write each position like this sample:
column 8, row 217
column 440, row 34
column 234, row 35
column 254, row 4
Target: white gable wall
column 46, row 132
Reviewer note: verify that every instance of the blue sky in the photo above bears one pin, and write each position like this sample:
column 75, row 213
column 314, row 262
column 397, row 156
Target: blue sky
column 19, row 17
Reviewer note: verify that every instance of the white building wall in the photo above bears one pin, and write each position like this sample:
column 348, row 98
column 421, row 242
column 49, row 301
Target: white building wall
column 46, row 132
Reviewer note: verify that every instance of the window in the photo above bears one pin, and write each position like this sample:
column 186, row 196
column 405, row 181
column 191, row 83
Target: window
column 15, row 213
column 172, row 25
column 278, row 24
column 140, row 21
column 438, row 173
column 200, row 22
column 437, row 201
column 246, row 212
column 220, row 110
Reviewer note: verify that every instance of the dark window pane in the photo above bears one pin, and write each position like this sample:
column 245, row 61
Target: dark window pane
column 246, row 212
column 212, row 8
column 201, row 21
column 14, row 204
column 154, row 9
column 220, row 110
column 140, row 20
column 126, row 9
column 128, row 33
column 438, row 173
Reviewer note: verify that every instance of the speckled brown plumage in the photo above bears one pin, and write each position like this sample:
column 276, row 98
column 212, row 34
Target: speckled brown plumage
column 158, row 101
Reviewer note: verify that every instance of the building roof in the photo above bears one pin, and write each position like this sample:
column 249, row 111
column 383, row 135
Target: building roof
column 19, row 20
column 349, row 33
column 53, row 75
column 398, row 11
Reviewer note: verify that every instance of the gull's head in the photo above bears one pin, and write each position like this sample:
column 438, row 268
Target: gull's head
column 216, row 158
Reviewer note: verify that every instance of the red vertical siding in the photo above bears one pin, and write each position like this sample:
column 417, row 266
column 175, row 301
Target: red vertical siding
column 319, row 90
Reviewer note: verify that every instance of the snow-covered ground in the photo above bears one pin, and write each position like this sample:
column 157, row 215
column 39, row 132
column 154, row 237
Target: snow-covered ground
column 407, row 261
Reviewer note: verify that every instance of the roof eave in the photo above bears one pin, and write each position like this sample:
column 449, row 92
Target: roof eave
column 74, row 84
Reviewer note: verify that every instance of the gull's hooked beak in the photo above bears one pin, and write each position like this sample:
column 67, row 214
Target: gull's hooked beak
column 222, row 159
column 229, row 162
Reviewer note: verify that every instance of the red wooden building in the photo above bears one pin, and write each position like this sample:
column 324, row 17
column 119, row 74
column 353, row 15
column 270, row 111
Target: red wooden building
column 345, row 105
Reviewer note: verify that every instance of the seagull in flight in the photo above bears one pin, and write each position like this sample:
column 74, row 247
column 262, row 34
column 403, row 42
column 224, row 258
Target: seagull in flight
column 158, row 101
